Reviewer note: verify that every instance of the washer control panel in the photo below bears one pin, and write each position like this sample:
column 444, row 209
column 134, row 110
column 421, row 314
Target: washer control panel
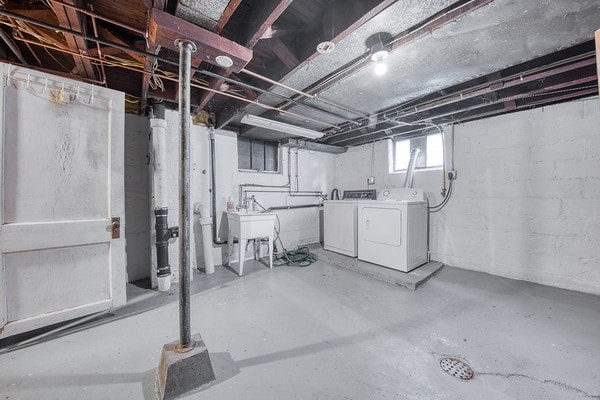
column 367, row 194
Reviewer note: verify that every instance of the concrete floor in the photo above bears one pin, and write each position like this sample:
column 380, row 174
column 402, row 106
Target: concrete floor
column 324, row 332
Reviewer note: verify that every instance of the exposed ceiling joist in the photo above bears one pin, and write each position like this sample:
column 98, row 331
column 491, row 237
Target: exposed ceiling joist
column 283, row 52
column 269, row 12
column 260, row 19
column 349, row 20
column 71, row 19
column 227, row 13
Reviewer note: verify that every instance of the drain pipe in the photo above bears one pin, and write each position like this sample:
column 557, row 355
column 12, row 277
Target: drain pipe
column 159, row 188
column 206, row 223
column 213, row 180
column 410, row 171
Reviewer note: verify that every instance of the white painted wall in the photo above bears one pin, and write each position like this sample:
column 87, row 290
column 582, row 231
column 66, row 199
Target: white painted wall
column 137, row 201
column 526, row 202
column 300, row 226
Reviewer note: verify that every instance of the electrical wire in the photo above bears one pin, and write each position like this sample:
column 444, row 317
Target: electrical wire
column 440, row 206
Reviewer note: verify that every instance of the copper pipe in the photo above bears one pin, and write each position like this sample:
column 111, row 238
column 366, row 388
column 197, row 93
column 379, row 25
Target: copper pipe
column 92, row 14
column 126, row 49
column 271, row 81
column 13, row 25
column 141, row 70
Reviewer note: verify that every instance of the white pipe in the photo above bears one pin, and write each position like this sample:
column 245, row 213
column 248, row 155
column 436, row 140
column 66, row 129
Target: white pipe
column 159, row 177
column 159, row 150
column 206, row 224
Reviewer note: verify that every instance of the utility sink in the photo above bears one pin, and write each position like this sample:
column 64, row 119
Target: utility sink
column 245, row 225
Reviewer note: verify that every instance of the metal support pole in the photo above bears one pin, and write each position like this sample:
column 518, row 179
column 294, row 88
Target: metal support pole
column 186, row 48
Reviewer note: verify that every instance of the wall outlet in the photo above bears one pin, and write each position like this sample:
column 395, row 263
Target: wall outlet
column 452, row 175
column 371, row 180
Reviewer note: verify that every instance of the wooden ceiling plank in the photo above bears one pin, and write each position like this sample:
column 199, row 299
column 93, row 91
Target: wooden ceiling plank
column 71, row 19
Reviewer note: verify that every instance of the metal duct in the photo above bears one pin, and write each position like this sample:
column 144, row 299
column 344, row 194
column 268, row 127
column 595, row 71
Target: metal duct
column 410, row 171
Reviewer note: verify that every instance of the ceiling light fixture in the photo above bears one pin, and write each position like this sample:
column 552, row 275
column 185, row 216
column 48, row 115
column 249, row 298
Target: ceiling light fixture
column 379, row 50
column 260, row 122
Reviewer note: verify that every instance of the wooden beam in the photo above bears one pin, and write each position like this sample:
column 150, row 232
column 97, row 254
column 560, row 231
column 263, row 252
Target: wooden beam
column 260, row 19
column 287, row 57
column 227, row 13
column 263, row 18
column 107, row 50
column 411, row 35
column 165, row 28
column 108, row 35
column 71, row 19
column 213, row 83
column 354, row 17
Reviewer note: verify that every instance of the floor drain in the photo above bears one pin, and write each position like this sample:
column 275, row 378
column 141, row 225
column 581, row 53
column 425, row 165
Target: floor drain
column 456, row 368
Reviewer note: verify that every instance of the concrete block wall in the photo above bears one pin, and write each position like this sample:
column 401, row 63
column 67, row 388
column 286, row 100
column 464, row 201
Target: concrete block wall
column 526, row 202
column 137, row 201
column 298, row 227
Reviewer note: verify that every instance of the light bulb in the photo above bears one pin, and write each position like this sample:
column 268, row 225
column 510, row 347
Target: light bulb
column 380, row 68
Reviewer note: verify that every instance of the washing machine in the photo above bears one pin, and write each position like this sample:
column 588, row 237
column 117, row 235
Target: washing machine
column 340, row 221
column 392, row 231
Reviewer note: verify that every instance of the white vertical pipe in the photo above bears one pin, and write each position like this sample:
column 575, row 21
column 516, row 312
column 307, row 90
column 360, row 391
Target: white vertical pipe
column 206, row 224
column 159, row 183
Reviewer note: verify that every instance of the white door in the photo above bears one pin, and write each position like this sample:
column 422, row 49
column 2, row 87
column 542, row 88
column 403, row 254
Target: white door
column 61, row 177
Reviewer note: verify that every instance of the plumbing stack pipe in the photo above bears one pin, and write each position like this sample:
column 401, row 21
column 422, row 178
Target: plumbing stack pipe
column 159, row 193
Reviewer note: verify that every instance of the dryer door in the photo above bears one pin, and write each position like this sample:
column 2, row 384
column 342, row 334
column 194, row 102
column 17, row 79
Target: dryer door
column 382, row 225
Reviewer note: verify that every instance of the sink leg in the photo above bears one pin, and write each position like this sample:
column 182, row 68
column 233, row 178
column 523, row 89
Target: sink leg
column 229, row 249
column 256, row 249
column 271, row 251
column 242, row 253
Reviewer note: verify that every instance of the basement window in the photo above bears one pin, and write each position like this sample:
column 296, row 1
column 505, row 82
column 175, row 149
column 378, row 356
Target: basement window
column 431, row 155
column 257, row 155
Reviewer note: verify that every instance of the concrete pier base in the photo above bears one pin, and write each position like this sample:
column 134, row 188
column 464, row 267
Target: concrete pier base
column 181, row 371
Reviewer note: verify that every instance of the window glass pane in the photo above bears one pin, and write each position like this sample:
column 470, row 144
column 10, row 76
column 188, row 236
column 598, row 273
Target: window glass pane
column 435, row 151
column 258, row 155
column 402, row 154
column 244, row 154
column 271, row 156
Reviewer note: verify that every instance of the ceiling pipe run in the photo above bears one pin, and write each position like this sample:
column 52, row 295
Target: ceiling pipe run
column 174, row 63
